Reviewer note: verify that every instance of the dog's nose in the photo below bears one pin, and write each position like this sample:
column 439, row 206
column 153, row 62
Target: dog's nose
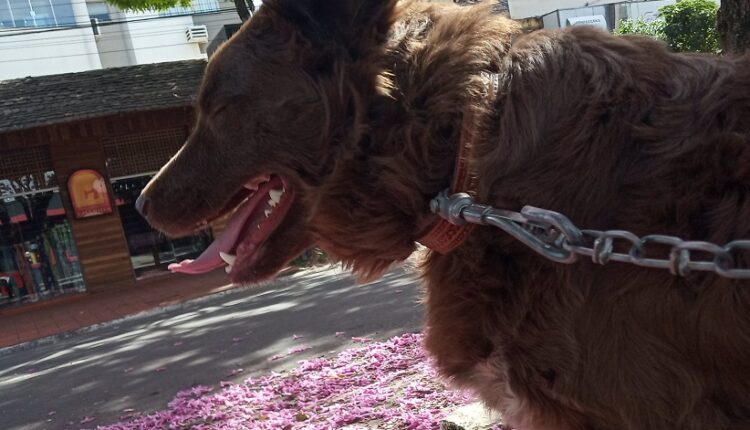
column 141, row 205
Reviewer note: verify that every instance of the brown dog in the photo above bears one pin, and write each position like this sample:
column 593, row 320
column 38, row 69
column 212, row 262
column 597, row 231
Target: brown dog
column 335, row 122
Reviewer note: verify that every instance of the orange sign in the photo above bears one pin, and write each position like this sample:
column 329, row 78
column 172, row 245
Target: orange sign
column 88, row 194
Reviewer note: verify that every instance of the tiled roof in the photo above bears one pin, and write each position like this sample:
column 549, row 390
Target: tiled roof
column 44, row 100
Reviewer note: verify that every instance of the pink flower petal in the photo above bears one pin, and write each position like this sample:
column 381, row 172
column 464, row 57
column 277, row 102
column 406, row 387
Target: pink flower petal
column 389, row 384
column 298, row 349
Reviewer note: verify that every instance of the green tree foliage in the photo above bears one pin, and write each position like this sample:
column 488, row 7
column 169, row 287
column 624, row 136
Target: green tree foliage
column 653, row 28
column 686, row 26
column 245, row 8
column 691, row 26
column 148, row 5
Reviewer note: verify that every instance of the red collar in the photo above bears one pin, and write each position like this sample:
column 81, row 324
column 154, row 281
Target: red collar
column 442, row 236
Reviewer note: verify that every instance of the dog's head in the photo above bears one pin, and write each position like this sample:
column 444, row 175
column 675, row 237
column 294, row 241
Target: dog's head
column 278, row 142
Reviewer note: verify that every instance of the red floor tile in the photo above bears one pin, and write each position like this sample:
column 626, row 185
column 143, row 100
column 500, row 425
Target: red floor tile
column 66, row 314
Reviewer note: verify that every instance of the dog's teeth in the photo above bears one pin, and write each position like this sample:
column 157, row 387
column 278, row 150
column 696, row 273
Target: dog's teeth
column 276, row 195
column 267, row 212
column 272, row 203
column 228, row 269
column 228, row 258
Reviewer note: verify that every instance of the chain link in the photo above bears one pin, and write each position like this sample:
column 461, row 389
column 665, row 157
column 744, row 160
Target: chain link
column 555, row 237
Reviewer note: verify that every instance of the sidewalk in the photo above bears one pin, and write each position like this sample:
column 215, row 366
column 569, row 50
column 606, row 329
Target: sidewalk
column 76, row 311
column 138, row 364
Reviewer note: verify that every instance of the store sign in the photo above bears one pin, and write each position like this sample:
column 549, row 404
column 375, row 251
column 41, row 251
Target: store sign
column 594, row 20
column 88, row 194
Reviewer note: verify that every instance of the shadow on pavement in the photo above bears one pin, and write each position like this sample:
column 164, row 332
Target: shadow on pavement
column 142, row 363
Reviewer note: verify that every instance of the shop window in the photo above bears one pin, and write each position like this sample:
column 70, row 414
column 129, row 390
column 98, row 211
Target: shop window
column 150, row 251
column 38, row 256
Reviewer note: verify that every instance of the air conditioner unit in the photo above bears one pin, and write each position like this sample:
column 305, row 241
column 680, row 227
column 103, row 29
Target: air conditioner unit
column 197, row 34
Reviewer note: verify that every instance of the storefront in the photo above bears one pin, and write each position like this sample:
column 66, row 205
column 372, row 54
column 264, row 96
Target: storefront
column 150, row 251
column 38, row 255
column 70, row 172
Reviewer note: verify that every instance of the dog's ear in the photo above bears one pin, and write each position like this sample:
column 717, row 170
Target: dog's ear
column 355, row 25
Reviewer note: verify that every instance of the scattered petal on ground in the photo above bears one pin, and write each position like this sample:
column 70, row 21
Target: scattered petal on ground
column 161, row 369
column 340, row 333
column 177, row 344
column 235, row 372
column 298, row 349
column 361, row 340
column 51, row 413
column 128, row 370
column 390, row 384
column 87, row 420
column 295, row 337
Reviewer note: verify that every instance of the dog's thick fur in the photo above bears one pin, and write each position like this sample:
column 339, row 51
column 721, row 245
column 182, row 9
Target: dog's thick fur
column 358, row 104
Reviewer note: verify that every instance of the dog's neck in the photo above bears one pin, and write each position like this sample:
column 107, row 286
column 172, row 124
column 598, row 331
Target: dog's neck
column 437, row 86
column 397, row 116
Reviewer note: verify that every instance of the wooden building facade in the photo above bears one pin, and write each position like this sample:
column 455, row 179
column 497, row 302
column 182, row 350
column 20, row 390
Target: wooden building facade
column 113, row 128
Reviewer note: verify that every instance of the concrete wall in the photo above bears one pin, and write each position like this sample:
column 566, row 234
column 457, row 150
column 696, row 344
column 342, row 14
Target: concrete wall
column 48, row 53
column 645, row 10
column 113, row 42
column 559, row 19
column 31, row 52
column 530, row 8
column 143, row 40
column 161, row 40
column 214, row 22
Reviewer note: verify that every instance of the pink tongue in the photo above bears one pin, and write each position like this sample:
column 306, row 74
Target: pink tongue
column 209, row 260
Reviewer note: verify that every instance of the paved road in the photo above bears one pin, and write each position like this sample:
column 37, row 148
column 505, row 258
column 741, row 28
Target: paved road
column 141, row 363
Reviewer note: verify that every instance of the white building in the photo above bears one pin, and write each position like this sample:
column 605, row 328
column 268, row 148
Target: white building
column 536, row 8
column 43, row 37
column 605, row 16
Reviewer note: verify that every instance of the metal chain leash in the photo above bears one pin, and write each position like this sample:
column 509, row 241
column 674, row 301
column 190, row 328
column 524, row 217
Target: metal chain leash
column 555, row 237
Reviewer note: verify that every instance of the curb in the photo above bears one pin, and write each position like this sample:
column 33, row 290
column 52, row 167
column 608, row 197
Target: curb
column 474, row 416
column 151, row 312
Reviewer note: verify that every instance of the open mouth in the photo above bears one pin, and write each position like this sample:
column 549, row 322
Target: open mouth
column 266, row 202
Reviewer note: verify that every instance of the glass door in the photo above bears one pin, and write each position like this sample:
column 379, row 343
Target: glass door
column 150, row 251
